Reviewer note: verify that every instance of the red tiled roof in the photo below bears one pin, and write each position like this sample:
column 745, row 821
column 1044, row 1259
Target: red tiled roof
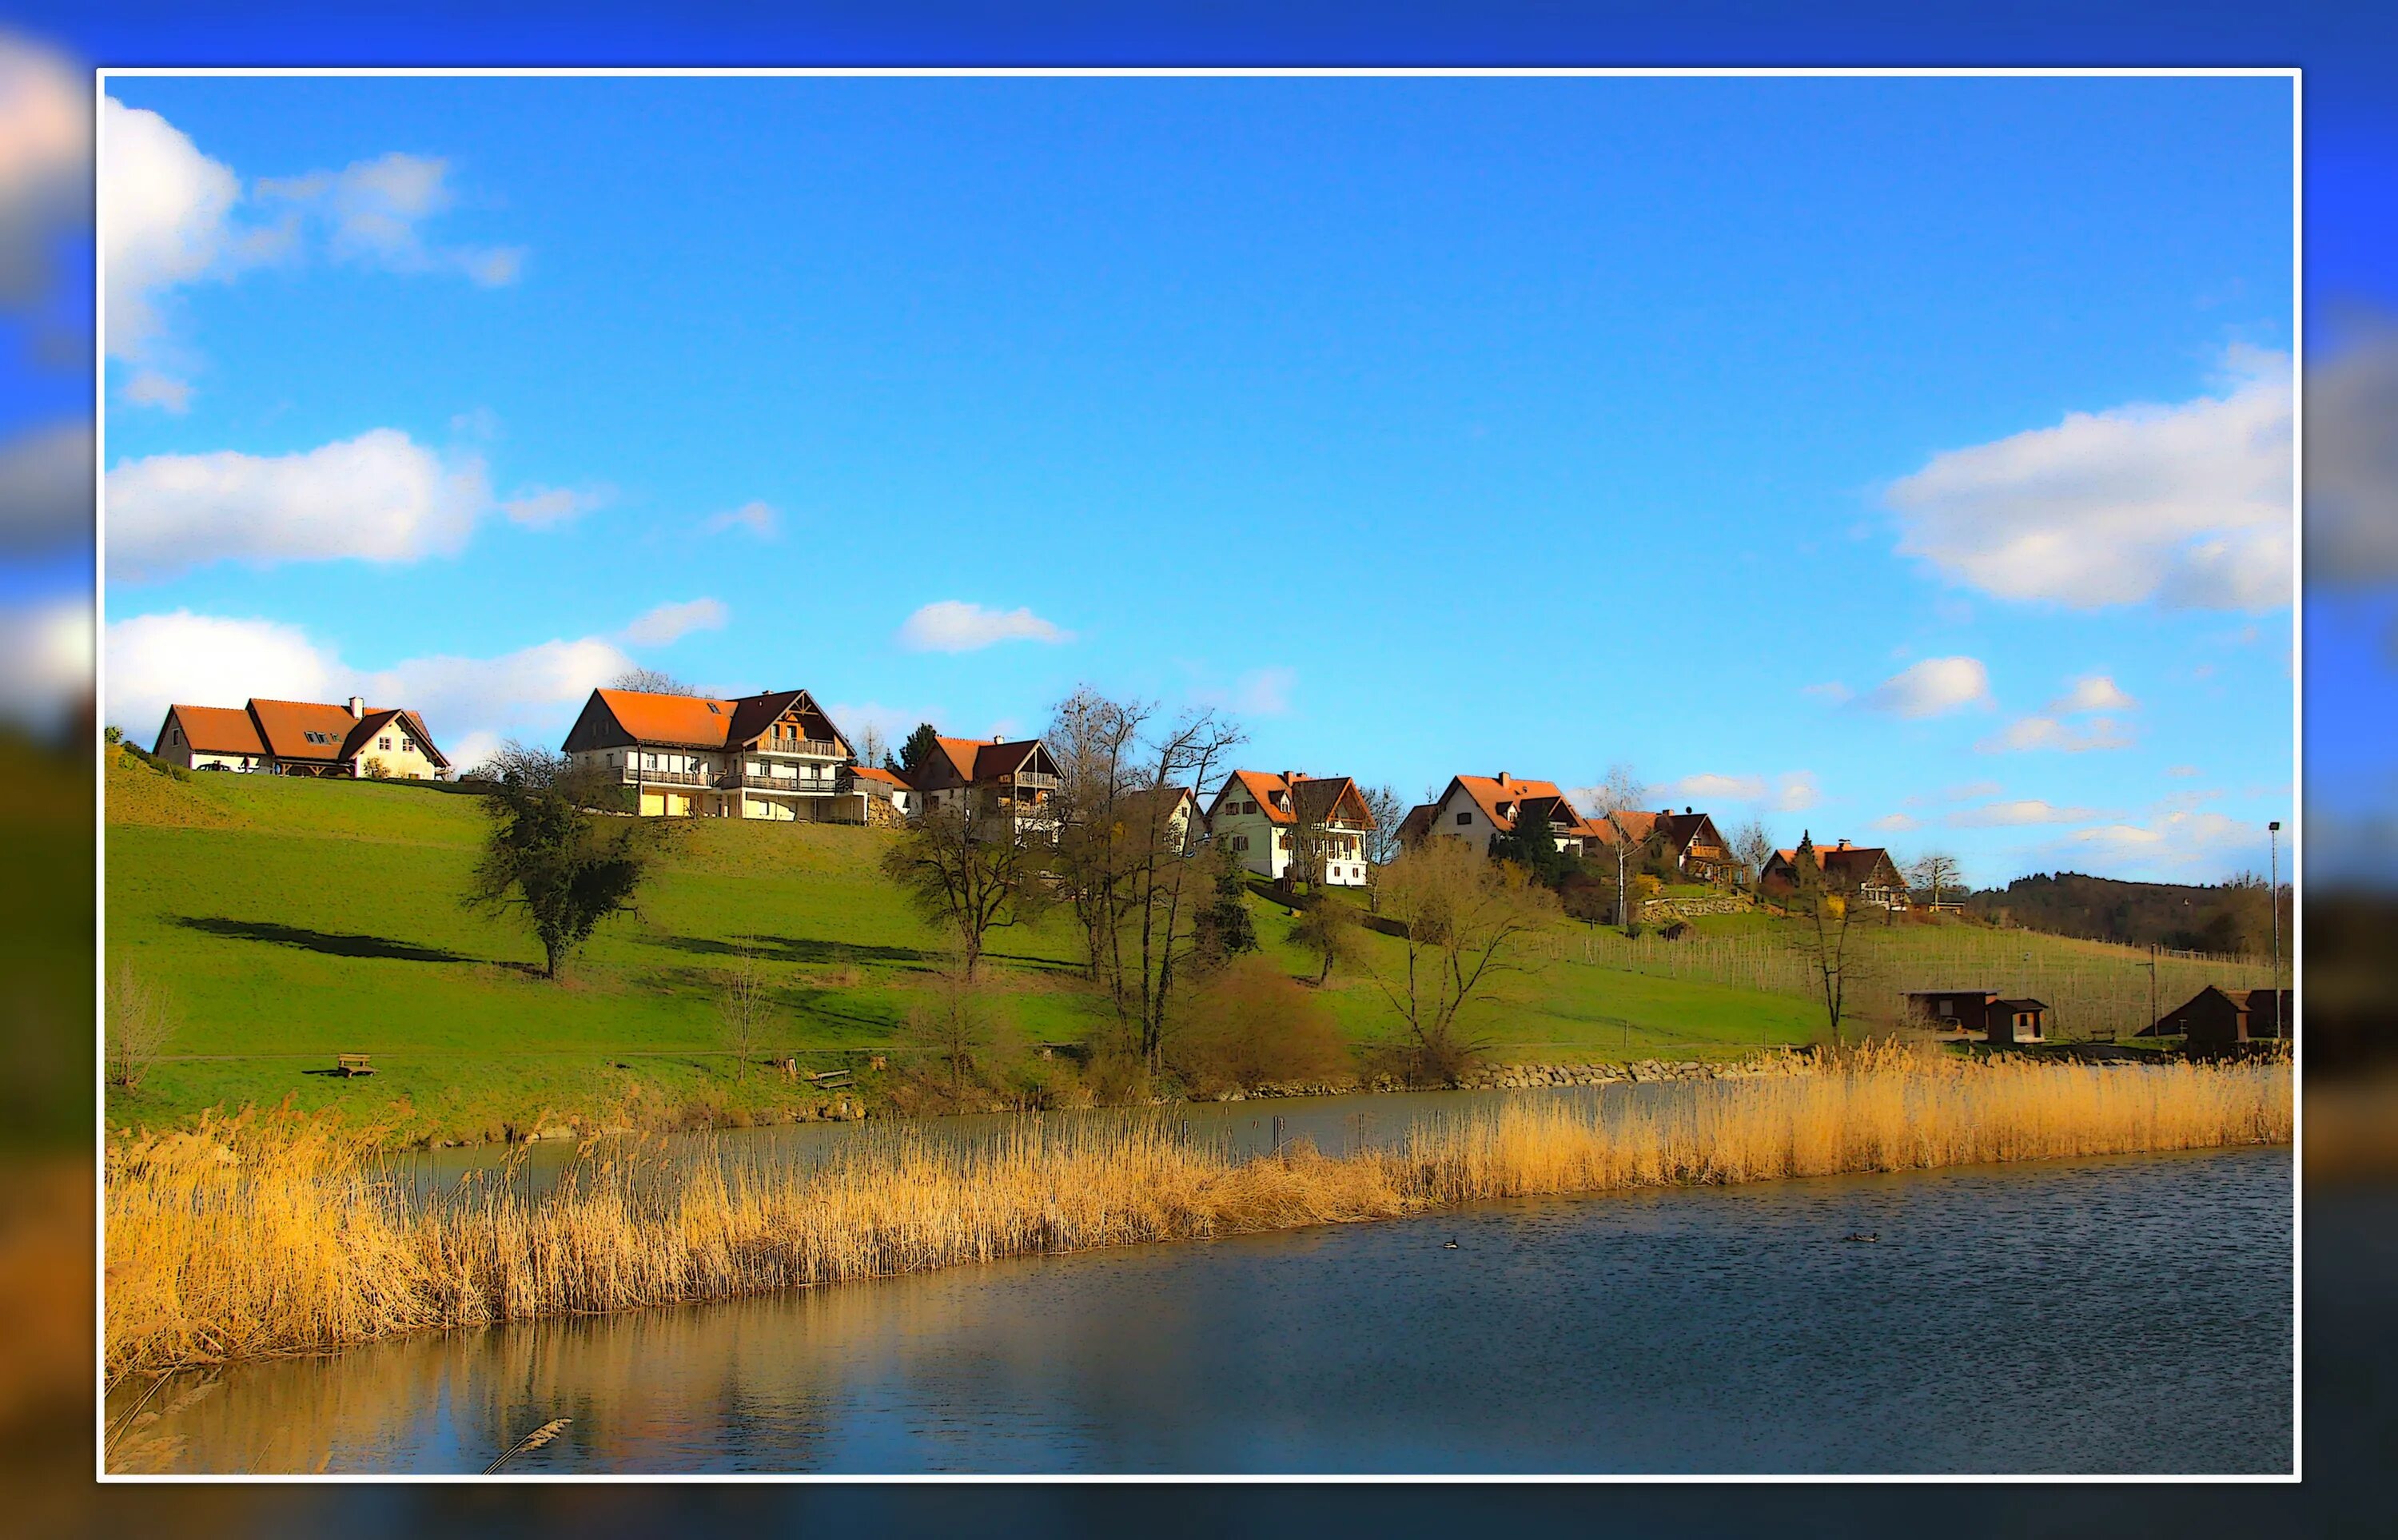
column 1515, row 796
column 877, row 773
column 286, row 726
column 214, row 730
column 1319, row 796
column 704, row 721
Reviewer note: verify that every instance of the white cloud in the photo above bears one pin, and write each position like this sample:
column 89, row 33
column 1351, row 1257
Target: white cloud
column 378, row 497
column 670, row 622
column 48, row 647
column 154, row 661
column 2000, row 815
column 45, row 489
column 1931, row 687
column 1259, row 692
column 2186, row 504
column 539, row 507
column 2183, row 771
column 151, row 388
column 1692, row 789
column 2092, row 692
column 951, row 625
column 372, row 211
column 44, row 160
column 2027, row 734
column 165, row 210
column 1797, row 793
column 756, row 518
column 2175, row 841
column 1897, row 823
column 2352, row 458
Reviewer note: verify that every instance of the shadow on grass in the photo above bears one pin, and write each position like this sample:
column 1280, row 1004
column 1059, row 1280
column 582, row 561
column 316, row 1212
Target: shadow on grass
column 796, row 949
column 330, row 943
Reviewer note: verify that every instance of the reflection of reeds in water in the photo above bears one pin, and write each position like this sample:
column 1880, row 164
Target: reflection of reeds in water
column 268, row 1234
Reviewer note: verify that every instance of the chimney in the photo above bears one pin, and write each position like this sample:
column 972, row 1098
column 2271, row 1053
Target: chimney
column 357, row 707
column 999, row 738
column 1686, row 812
column 1502, row 778
column 1842, row 846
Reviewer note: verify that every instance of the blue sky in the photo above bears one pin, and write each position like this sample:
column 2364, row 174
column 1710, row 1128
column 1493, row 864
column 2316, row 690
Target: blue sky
column 1889, row 459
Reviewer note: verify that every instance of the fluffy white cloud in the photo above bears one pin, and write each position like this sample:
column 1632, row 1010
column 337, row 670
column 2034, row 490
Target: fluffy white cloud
column 165, row 216
column 539, row 507
column 379, row 496
column 2025, row 734
column 154, row 661
column 2175, row 841
column 2000, row 815
column 1897, row 823
column 44, row 160
column 1259, row 692
column 372, row 211
column 2187, row 504
column 151, row 388
column 1793, row 791
column 45, row 489
column 2352, row 458
column 1931, row 687
column 48, row 647
column 670, row 622
column 2092, row 692
column 951, row 625
column 756, row 518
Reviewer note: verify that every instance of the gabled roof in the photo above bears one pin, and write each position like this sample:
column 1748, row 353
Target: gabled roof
column 1283, row 799
column 214, row 730
column 1683, row 828
column 703, row 722
column 879, row 775
column 973, row 761
column 1418, row 822
column 286, row 726
column 2021, row 1005
column 1842, row 860
column 375, row 722
column 1503, row 801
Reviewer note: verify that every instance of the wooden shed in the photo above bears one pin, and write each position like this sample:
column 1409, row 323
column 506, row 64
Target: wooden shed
column 2216, row 1015
column 2024, row 1020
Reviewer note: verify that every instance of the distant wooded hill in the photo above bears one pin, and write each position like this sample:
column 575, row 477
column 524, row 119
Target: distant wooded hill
column 2225, row 918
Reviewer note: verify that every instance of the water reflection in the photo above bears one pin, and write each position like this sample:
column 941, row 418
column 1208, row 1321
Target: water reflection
column 2120, row 1315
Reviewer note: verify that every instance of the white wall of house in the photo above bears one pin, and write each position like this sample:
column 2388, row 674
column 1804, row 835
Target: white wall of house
column 397, row 749
column 1264, row 845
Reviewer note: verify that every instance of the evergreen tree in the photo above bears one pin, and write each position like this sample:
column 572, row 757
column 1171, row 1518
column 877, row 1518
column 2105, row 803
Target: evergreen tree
column 1531, row 846
column 1225, row 928
column 919, row 748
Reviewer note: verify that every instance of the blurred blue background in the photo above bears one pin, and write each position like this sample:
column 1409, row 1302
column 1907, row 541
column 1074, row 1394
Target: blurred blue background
column 2348, row 677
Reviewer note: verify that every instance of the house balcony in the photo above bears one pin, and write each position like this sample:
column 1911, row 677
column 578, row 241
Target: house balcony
column 634, row 776
column 808, row 785
column 1031, row 781
column 806, row 748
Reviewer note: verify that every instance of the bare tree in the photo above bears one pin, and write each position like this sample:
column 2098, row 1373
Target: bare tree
column 1825, row 909
column 1751, row 849
column 1468, row 921
column 957, row 1025
column 1095, row 743
column 140, row 1023
column 873, row 749
column 1618, row 792
column 1936, row 870
column 969, row 873
column 651, row 681
column 744, row 1008
column 1382, row 845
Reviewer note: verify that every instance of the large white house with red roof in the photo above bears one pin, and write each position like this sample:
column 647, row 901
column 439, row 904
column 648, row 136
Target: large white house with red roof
column 302, row 738
column 773, row 756
column 1478, row 809
column 1271, row 820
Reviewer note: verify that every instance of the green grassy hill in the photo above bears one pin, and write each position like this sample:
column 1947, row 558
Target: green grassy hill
column 290, row 920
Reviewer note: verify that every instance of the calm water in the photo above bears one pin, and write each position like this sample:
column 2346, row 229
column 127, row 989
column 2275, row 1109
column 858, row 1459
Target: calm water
column 2119, row 1314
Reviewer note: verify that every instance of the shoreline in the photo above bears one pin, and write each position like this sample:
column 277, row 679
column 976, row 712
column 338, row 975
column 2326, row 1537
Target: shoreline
column 263, row 1236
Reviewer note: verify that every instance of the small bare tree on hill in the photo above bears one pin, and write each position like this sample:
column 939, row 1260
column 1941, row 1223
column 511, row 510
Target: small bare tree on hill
column 140, row 1023
column 1468, row 921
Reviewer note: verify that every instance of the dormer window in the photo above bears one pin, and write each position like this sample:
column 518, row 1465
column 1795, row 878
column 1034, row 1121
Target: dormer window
column 712, row 710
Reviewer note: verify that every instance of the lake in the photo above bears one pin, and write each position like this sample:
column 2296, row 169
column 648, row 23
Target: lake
column 2120, row 1315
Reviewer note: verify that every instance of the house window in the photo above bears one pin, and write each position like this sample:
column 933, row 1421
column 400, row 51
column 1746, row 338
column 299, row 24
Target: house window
column 1464, row 818
column 383, row 743
column 407, row 745
column 1240, row 842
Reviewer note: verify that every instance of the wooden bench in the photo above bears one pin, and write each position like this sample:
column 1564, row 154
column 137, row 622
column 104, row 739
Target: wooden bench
column 347, row 1065
column 831, row 1079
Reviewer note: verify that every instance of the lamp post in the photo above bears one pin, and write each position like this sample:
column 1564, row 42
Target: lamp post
column 2273, row 897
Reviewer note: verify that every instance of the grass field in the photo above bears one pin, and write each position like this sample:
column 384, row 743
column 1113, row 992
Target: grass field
column 289, row 921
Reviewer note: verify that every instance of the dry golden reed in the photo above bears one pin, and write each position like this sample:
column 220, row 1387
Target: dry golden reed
column 258, row 1235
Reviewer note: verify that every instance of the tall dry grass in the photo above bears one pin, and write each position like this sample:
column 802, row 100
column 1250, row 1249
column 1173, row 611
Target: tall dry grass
column 267, row 1234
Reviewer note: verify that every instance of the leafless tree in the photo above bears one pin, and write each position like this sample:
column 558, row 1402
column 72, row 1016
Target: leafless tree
column 957, row 1025
column 140, row 1023
column 1382, row 845
column 1751, row 849
column 1328, row 928
column 1468, row 921
column 1619, row 790
column 871, row 748
column 743, row 1008
column 969, row 873
column 1936, row 870
column 1825, row 910
column 651, row 681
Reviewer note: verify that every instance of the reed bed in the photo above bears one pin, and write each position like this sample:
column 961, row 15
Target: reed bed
column 275, row 1233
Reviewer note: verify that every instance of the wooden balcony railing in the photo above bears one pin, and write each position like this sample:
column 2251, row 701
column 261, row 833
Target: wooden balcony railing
column 635, row 776
column 742, row 779
column 814, row 748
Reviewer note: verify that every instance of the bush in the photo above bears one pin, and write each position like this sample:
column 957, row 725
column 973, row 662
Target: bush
column 1253, row 1025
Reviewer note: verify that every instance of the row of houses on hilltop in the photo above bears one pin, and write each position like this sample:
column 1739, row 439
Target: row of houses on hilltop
column 778, row 756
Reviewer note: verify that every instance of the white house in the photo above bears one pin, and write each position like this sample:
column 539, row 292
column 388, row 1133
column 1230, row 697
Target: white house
column 1272, row 821
column 774, row 755
column 1476, row 809
column 303, row 738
